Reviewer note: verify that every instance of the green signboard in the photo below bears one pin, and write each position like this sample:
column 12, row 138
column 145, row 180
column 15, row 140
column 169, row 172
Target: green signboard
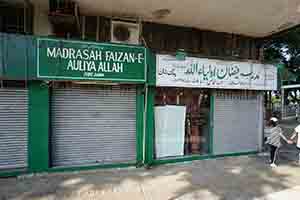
column 77, row 60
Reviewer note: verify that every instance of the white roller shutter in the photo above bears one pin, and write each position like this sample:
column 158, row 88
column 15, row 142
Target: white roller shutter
column 93, row 125
column 237, row 122
column 13, row 128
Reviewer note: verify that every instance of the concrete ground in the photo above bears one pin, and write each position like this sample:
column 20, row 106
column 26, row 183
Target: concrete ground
column 247, row 177
column 236, row 178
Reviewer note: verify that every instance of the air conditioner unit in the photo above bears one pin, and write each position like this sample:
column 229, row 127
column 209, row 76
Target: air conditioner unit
column 125, row 32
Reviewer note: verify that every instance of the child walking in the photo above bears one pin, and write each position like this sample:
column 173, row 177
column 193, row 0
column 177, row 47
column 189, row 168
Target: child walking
column 274, row 140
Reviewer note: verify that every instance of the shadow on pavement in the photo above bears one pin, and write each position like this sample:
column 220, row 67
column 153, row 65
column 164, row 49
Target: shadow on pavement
column 229, row 178
column 246, row 177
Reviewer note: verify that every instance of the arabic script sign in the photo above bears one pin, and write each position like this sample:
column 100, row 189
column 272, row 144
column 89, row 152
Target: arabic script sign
column 77, row 60
column 209, row 73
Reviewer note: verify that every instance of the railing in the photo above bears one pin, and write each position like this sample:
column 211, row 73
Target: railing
column 62, row 6
column 290, row 111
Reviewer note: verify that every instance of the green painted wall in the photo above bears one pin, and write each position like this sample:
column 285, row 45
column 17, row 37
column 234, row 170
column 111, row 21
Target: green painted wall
column 149, row 132
column 17, row 57
column 149, row 137
column 151, row 68
column 211, row 123
column 12, row 173
column 38, row 149
column 200, row 157
column 140, row 124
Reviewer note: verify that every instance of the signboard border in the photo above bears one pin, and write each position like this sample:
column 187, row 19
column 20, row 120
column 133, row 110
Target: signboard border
column 157, row 84
column 87, row 78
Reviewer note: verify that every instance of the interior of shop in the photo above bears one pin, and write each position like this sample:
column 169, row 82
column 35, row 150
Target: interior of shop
column 181, row 122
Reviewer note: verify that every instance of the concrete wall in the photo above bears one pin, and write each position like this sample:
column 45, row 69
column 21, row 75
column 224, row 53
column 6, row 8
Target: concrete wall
column 41, row 24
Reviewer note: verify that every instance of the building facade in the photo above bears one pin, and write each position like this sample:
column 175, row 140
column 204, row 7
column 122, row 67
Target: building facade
column 85, row 88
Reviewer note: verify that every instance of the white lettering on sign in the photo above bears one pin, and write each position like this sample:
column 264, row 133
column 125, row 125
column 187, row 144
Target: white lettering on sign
column 84, row 59
column 210, row 73
column 81, row 65
column 110, row 67
column 123, row 57
column 140, row 58
column 70, row 53
column 51, row 52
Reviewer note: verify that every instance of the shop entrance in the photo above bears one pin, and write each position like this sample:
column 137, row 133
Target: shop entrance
column 182, row 117
column 238, row 121
column 93, row 124
column 13, row 125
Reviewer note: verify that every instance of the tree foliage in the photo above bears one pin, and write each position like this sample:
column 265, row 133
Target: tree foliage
column 285, row 49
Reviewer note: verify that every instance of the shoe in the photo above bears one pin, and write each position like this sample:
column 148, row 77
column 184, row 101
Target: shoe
column 273, row 165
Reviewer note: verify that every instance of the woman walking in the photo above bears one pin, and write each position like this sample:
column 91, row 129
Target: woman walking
column 274, row 140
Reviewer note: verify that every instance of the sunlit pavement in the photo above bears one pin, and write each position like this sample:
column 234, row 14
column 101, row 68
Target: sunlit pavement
column 290, row 194
column 247, row 177
column 235, row 178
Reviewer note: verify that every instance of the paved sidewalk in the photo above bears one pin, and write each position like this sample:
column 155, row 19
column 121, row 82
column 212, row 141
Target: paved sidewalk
column 237, row 178
column 289, row 194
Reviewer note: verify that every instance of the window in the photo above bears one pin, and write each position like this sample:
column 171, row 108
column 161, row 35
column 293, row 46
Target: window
column 16, row 18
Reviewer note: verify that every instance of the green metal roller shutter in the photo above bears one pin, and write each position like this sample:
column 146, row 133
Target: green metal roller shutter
column 13, row 128
column 93, row 125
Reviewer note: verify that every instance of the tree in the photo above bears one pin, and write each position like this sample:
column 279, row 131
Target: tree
column 285, row 49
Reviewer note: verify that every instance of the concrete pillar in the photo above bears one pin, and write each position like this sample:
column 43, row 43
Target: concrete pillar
column 41, row 23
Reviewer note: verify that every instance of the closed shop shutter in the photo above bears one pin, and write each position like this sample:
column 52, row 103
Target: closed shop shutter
column 13, row 128
column 237, row 122
column 93, row 125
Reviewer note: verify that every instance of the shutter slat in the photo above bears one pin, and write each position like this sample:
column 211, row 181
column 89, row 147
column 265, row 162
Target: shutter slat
column 236, row 123
column 93, row 125
column 13, row 128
